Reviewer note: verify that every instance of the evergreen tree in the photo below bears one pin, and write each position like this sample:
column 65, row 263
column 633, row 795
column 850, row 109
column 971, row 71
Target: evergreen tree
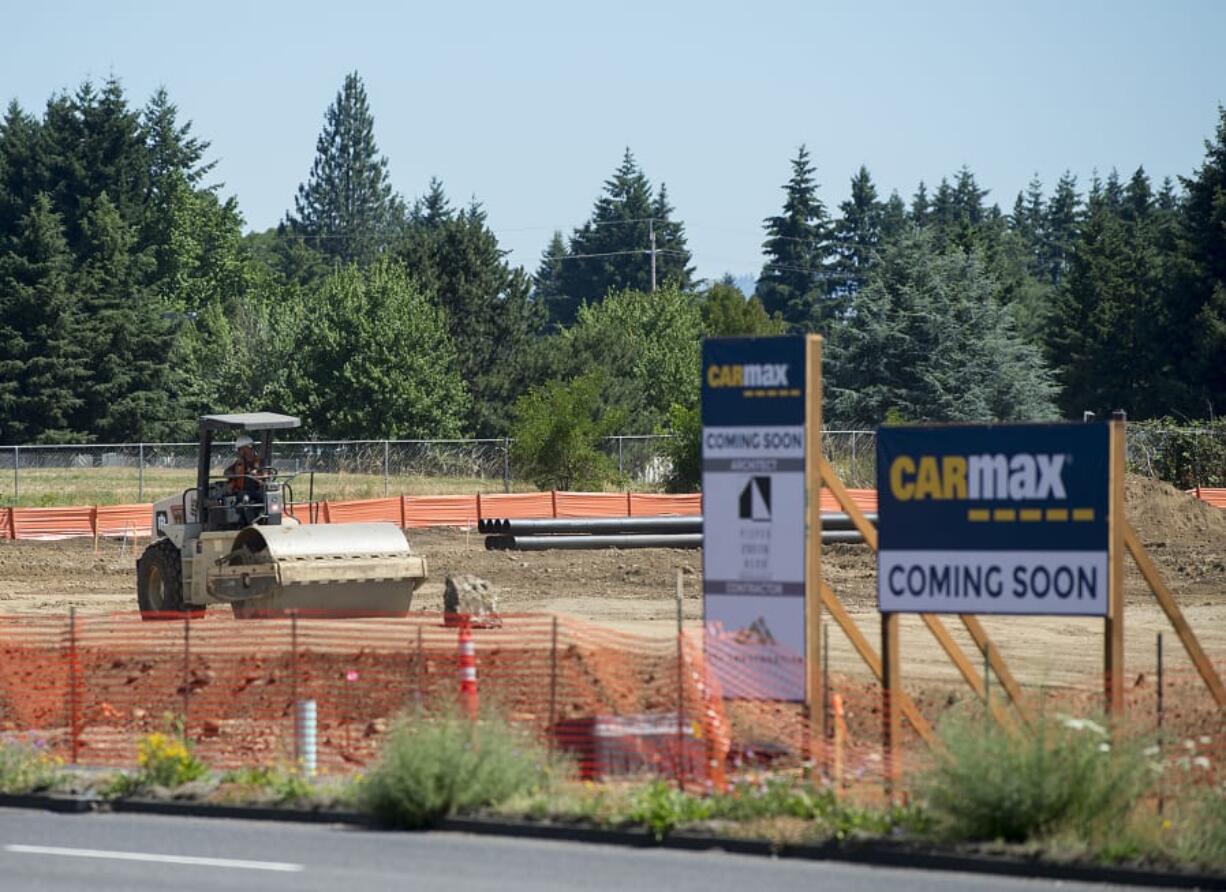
column 857, row 234
column 126, row 331
column 612, row 250
column 926, row 340
column 1201, row 311
column 346, row 209
column 1028, row 223
column 487, row 304
column 547, row 283
column 797, row 248
column 921, row 206
column 893, row 218
column 432, row 210
column 1060, row 230
column 1107, row 336
column 43, row 367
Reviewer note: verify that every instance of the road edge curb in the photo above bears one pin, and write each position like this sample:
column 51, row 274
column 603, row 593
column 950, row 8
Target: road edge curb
column 867, row 852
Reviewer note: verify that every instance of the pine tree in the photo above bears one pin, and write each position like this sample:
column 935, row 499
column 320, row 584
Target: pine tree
column 433, row 209
column 1028, row 222
column 612, row 250
column 1060, row 229
column 920, row 206
column 547, row 283
column 1107, row 334
column 893, row 218
column 125, row 331
column 44, row 366
column 1202, row 311
column 346, row 209
column 797, row 248
column 487, row 305
column 857, row 234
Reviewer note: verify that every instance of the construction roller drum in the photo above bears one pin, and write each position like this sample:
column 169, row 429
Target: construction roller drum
column 346, row 570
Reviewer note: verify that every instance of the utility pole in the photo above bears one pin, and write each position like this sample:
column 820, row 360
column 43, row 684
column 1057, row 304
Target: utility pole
column 651, row 231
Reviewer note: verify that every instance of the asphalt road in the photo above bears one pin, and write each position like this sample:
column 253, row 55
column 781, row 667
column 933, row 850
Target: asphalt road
column 133, row 852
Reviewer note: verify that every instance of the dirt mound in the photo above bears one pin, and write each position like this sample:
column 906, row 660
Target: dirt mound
column 1161, row 513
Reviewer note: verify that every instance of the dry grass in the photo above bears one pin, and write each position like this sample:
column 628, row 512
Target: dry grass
column 42, row 487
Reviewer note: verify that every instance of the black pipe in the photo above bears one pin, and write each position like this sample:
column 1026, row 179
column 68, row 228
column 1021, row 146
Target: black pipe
column 631, row 540
column 605, row 525
column 640, row 540
column 660, row 525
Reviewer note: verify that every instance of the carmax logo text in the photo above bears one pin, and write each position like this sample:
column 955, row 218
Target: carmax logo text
column 978, row 477
column 749, row 375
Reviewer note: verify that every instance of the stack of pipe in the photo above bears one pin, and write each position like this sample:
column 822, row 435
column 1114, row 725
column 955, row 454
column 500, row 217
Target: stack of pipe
column 627, row 532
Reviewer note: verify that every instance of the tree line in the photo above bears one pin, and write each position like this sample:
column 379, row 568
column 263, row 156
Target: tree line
column 131, row 301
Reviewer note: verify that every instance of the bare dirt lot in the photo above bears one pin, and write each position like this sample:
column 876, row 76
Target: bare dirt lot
column 633, row 591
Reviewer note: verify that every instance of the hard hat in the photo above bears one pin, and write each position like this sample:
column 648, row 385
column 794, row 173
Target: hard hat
column 242, row 441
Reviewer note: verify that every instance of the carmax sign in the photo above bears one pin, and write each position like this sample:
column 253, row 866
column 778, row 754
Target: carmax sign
column 993, row 519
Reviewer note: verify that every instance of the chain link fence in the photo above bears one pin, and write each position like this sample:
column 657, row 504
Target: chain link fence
column 117, row 473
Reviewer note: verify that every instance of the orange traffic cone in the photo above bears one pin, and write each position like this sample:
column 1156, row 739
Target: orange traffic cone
column 468, row 669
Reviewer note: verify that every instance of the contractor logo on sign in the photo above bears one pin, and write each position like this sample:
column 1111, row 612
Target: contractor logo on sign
column 1000, row 519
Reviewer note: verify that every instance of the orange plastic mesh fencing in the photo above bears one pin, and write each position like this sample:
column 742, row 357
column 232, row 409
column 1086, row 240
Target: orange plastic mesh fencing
column 656, row 504
column 1212, row 495
column 405, row 511
column 91, row 686
column 517, row 505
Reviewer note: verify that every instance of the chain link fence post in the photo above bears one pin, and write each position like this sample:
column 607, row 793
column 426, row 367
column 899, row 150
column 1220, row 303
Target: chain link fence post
column 506, row 464
column 16, row 475
column 387, row 460
column 140, row 474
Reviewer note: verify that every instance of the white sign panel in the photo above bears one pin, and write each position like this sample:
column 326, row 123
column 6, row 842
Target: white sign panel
column 754, row 516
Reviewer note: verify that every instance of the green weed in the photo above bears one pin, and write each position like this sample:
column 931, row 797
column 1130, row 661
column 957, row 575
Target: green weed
column 1066, row 776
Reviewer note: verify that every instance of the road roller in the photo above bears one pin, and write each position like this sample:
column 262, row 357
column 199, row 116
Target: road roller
column 234, row 539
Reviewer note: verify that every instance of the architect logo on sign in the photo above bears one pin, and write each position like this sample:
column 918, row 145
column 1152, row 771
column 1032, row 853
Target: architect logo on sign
column 756, row 499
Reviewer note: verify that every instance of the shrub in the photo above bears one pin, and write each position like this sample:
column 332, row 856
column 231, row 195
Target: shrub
column 558, row 430
column 684, row 450
column 167, row 761
column 26, row 768
column 434, row 766
column 1065, row 776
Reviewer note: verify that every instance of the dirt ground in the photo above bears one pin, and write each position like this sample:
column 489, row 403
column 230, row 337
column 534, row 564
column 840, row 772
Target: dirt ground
column 633, row 591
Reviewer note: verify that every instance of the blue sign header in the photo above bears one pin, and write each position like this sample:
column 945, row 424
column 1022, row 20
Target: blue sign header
column 993, row 488
column 753, row 381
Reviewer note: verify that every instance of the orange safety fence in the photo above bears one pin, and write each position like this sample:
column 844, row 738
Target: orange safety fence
column 1215, row 496
column 405, row 511
column 87, row 687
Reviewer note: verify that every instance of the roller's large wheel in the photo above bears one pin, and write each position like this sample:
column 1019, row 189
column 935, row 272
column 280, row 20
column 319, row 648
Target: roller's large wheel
column 159, row 581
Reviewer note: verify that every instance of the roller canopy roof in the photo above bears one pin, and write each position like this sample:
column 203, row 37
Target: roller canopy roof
column 252, row 421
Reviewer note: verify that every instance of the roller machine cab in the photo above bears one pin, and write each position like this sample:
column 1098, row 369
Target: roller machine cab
column 234, row 540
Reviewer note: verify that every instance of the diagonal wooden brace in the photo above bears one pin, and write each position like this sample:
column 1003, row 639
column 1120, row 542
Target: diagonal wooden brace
column 909, row 710
column 1169, row 606
column 831, row 480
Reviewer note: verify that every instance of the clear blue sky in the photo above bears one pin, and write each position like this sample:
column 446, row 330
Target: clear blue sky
column 528, row 106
